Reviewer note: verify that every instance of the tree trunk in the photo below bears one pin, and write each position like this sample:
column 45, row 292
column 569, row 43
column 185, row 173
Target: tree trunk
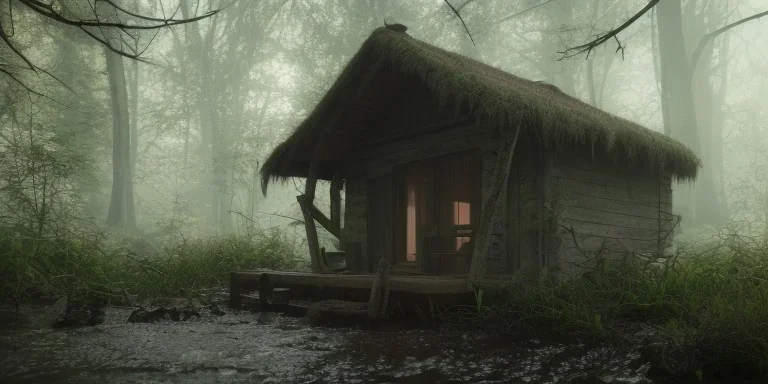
column 220, row 169
column 591, row 82
column 718, row 118
column 121, row 207
column 677, row 95
column 709, row 206
column 134, row 113
column 660, row 74
column 596, row 81
column 688, row 99
column 560, row 73
column 212, row 143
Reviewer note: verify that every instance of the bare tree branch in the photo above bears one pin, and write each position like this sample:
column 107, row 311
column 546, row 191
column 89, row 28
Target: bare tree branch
column 523, row 12
column 295, row 220
column 462, row 21
column 509, row 17
column 612, row 34
column 18, row 53
column 706, row 39
column 32, row 91
column 47, row 10
column 6, row 39
column 468, row 2
column 21, row 83
column 142, row 17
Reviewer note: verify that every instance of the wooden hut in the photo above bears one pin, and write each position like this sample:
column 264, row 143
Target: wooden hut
column 453, row 167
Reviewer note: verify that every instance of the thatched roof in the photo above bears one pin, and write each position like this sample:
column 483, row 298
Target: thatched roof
column 494, row 97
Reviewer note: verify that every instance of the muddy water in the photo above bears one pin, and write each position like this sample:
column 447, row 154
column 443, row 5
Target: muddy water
column 245, row 347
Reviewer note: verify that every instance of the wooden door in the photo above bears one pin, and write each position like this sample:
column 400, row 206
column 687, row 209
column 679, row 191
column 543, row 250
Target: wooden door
column 456, row 196
column 436, row 208
column 412, row 213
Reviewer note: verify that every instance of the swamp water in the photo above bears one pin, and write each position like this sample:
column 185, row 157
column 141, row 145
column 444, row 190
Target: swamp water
column 245, row 347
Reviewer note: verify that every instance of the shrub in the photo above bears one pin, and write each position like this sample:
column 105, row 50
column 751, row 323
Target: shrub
column 88, row 266
column 709, row 304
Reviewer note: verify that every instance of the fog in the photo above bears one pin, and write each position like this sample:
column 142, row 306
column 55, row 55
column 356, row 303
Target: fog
column 164, row 134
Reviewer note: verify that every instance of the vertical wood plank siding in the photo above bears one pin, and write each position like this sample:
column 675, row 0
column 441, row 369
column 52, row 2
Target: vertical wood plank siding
column 356, row 218
column 380, row 240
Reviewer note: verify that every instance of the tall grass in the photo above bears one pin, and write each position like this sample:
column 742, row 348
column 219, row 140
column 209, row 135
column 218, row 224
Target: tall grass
column 707, row 306
column 94, row 266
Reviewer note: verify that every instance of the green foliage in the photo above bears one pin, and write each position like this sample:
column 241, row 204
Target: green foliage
column 479, row 299
column 88, row 266
column 199, row 264
column 709, row 304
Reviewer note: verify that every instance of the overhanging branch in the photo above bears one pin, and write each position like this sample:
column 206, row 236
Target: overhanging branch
column 88, row 25
column 706, row 39
column 612, row 34
column 47, row 10
column 504, row 19
column 456, row 12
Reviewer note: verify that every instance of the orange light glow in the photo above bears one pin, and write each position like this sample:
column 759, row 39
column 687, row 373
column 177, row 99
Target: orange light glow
column 461, row 211
column 411, row 225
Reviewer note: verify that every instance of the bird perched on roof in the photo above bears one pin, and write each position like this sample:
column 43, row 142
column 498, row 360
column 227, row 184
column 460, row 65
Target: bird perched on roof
column 397, row 27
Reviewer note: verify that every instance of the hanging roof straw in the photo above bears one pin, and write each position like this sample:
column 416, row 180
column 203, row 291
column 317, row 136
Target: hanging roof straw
column 494, row 97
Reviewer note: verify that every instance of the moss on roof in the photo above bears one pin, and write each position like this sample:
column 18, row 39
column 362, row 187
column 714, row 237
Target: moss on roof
column 499, row 98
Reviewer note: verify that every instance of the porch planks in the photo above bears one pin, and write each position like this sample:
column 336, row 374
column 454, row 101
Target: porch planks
column 421, row 284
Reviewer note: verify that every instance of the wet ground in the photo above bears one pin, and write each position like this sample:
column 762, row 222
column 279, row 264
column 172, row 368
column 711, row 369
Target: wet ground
column 247, row 347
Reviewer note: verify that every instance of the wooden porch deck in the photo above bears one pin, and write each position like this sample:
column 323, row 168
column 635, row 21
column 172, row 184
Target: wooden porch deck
column 422, row 285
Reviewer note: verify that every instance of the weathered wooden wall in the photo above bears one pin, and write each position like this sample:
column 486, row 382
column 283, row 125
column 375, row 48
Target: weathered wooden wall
column 597, row 207
column 380, row 237
column 495, row 262
column 607, row 207
column 356, row 218
column 416, row 129
column 524, row 206
column 515, row 234
column 366, row 204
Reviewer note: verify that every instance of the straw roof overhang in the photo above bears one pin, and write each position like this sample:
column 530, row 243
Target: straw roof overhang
column 493, row 97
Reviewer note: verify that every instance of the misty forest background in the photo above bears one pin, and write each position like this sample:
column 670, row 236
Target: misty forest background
column 102, row 155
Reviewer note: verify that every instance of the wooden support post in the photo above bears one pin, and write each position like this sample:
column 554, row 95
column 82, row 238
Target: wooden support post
column 266, row 291
column 314, row 244
column 512, row 232
column 489, row 209
column 541, row 199
column 377, row 303
column 324, row 221
column 355, row 257
column 336, row 204
column 234, row 291
column 323, row 257
column 306, row 201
